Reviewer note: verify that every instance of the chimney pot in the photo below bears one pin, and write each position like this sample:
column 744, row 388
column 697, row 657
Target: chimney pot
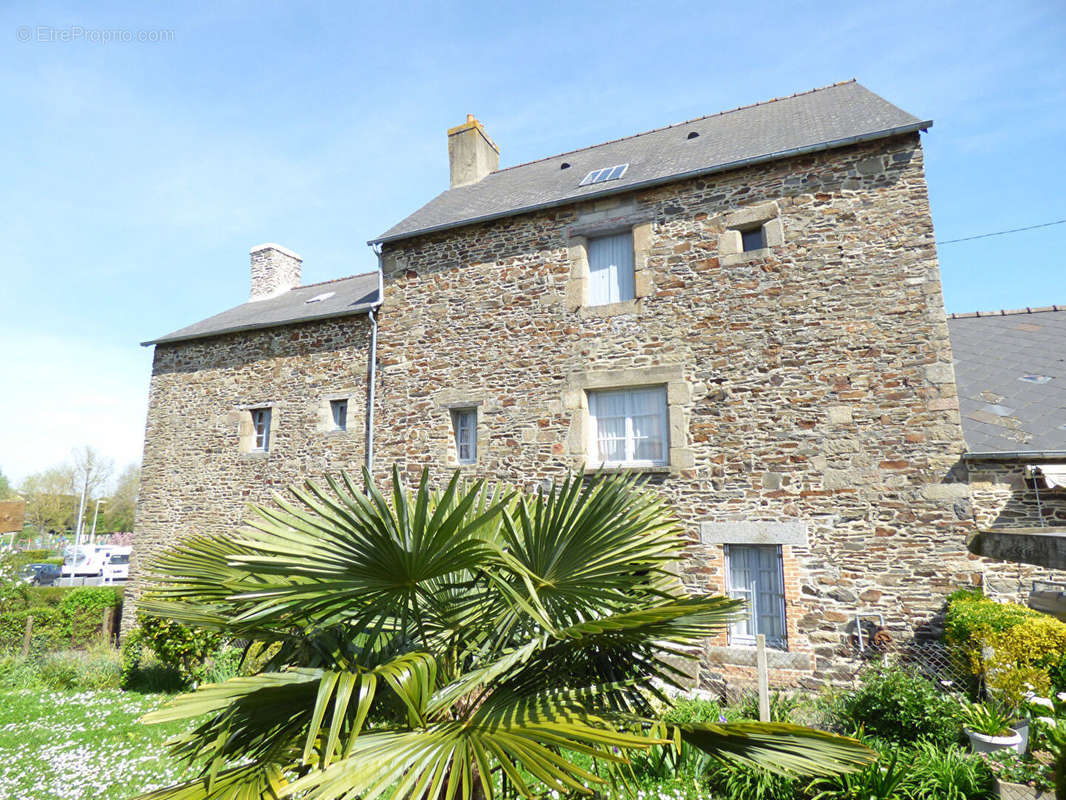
column 471, row 153
column 275, row 270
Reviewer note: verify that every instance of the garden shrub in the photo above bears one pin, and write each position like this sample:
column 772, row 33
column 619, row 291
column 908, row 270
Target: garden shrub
column 47, row 629
column 1012, row 648
column 900, row 707
column 190, row 653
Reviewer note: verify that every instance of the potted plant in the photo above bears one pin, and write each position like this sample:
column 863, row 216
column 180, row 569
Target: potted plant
column 1021, row 777
column 988, row 727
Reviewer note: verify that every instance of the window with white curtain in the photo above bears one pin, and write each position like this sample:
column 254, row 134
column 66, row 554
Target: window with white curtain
column 464, row 425
column 610, row 269
column 755, row 575
column 629, row 426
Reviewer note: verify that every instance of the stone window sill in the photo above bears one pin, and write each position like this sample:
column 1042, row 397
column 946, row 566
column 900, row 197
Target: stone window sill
column 749, row 255
column 610, row 309
column 622, row 469
column 740, row 656
column 255, row 455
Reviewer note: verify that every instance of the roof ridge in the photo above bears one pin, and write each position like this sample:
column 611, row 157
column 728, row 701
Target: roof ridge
column 1008, row 312
column 679, row 124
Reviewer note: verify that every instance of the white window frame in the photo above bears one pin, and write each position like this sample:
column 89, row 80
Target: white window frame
column 261, row 429
column 611, row 282
column 464, row 421
column 595, row 398
column 744, row 631
column 334, row 407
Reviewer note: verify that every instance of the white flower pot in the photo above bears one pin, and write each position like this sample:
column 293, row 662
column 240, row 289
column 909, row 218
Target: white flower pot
column 1022, row 726
column 980, row 743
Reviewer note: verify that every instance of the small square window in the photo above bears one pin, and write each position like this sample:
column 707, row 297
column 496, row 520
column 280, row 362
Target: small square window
column 610, row 269
column 261, row 426
column 464, row 426
column 629, row 426
column 753, row 239
column 755, row 574
column 339, row 410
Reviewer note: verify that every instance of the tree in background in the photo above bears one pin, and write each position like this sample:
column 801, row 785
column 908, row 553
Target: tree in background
column 5, row 487
column 50, row 501
column 121, row 506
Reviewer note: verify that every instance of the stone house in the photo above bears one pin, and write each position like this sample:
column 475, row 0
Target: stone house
column 744, row 308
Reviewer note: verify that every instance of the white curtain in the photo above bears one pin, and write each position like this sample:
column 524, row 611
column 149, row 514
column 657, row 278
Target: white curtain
column 610, row 269
column 755, row 576
column 630, row 425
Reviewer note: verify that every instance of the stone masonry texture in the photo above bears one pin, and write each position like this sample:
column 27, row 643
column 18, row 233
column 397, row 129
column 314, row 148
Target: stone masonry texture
column 810, row 381
column 194, row 478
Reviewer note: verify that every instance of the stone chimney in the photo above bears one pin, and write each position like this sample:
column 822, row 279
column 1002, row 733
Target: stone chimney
column 471, row 153
column 275, row 270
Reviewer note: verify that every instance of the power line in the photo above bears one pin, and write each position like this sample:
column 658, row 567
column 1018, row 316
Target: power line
column 1001, row 233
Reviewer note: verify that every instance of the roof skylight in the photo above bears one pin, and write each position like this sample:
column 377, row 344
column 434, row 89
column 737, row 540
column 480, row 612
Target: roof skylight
column 318, row 298
column 605, row 174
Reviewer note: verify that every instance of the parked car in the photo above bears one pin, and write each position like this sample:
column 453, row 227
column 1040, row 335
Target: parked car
column 41, row 574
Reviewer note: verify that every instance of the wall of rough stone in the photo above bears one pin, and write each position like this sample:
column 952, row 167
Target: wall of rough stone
column 1003, row 497
column 815, row 376
column 194, row 477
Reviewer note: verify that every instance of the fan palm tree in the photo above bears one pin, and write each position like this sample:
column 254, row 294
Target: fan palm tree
column 463, row 642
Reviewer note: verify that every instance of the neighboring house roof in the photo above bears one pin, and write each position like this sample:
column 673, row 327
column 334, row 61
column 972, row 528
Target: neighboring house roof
column 1010, row 368
column 337, row 298
column 820, row 119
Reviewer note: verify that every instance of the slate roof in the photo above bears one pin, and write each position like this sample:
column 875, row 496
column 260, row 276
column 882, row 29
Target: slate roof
column 816, row 120
column 1002, row 411
column 354, row 295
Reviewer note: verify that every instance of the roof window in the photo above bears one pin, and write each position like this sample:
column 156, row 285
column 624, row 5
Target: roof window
column 605, row 174
column 318, row 298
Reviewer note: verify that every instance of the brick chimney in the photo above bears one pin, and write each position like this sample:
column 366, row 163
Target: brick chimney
column 471, row 153
column 275, row 270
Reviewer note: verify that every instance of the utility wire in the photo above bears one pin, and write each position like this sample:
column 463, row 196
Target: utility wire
column 1001, row 233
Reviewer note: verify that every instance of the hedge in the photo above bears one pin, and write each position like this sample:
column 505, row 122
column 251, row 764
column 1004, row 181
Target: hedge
column 1010, row 647
column 62, row 617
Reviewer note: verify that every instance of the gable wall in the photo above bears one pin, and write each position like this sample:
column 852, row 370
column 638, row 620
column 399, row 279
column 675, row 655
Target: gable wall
column 194, row 477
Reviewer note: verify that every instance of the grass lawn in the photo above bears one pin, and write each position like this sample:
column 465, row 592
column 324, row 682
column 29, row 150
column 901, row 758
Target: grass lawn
column 81, row 745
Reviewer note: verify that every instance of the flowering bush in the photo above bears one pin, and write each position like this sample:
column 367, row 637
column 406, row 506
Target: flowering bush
column 1014, row 649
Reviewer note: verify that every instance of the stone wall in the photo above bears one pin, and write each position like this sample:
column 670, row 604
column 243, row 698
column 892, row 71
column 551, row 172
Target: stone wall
column 811, row 380
column 1003, row 497
column 196, row 477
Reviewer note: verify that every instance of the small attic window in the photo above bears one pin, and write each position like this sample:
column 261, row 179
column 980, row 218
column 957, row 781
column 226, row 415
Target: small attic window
column 318, row 298
column 692, row 134
column 1035, row 378
column 564, row 165
column 605, row 174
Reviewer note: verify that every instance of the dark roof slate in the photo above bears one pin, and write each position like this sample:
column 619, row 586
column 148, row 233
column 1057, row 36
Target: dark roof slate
column 814, row 120
column 994, row 351
column 354, row 295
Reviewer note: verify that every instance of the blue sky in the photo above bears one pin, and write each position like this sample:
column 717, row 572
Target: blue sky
column 136, row 175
